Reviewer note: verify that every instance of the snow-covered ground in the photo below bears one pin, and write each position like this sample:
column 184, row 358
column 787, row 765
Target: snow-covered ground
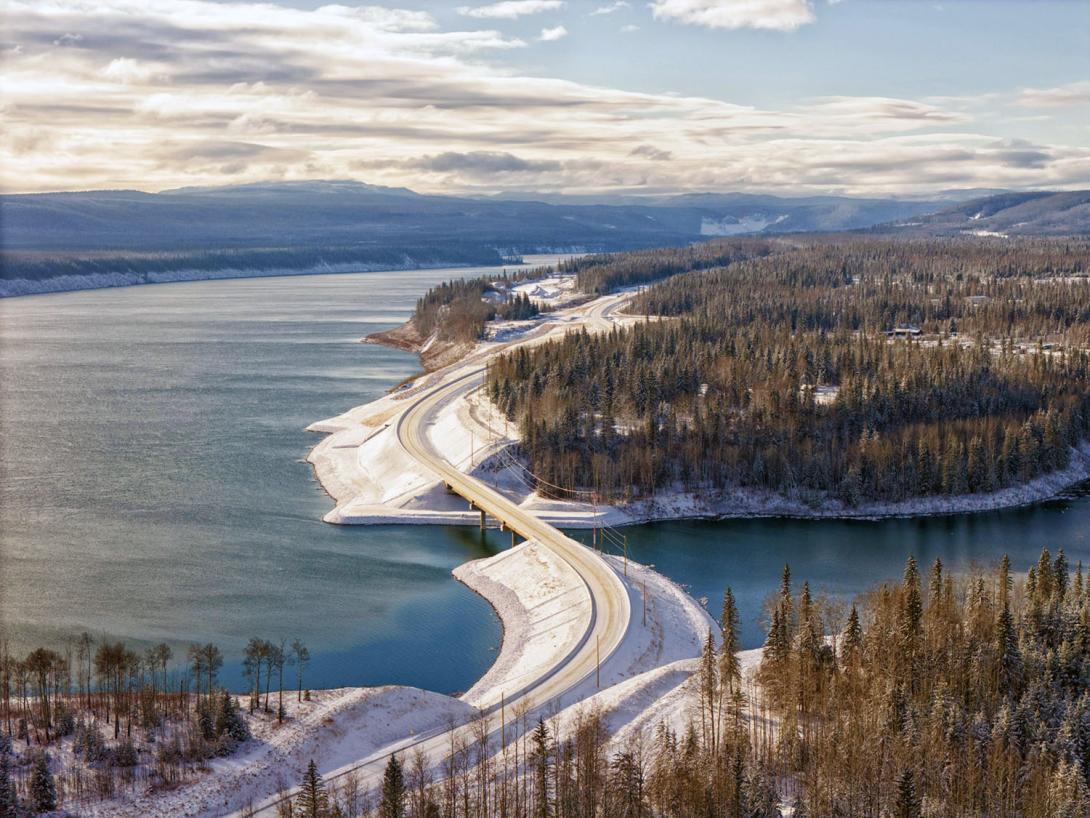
column 753, row 503
column 372, row 478
column 335, row 728
column 544, row 608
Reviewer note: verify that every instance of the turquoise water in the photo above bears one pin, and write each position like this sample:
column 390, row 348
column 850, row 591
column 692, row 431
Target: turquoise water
column 152, row 488
column 151, row 448
column 841, row 558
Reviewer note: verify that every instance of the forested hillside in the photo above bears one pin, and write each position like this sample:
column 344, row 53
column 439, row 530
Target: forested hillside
column 457, row 311
column 936, row 696
column 600, row 274
column 849, row 368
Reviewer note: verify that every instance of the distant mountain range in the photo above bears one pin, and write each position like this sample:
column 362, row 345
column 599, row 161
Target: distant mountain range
column 54, row 241
column 1006, row 214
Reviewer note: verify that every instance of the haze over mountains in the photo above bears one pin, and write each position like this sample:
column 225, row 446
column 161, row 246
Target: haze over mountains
column 106, row 238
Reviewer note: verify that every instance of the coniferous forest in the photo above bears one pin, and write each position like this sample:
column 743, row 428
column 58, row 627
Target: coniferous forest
column 938, row 695
column 859, row 369
column 457, row 310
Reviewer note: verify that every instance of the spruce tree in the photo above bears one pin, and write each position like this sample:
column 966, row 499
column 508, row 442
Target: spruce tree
column 43, row 790
column 9, row 803
column 730, row 669
column 776, row 646
column 312, row 801
column 392, row 804
column 229, row 720
column 542, row 800
column 853, row 638
column 908, row 805
column 1008, row 656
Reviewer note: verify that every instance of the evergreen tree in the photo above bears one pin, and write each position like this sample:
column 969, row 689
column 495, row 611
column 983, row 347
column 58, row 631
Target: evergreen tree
column 853, row 638
column 626, row 786
column 908, row 805
column 542, row 795
column 9, row 803
column 730, row 669
column 205, row 721
column 1009, row 657
column 392, row 804
column 312, row 801
column 43, row 790
column 229, row 720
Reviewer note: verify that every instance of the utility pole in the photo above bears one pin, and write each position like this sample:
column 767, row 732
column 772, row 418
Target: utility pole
column 503, row 722
column 626, row 555
column 644, row 584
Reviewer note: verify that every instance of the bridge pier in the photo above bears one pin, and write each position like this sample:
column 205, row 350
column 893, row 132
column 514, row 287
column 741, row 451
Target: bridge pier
column 512, row 539
column 482, row 519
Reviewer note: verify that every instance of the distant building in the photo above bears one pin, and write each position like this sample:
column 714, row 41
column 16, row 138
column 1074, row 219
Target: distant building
column 905, row 331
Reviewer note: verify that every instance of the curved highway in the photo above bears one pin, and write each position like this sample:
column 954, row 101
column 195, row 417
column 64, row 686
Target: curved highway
column 610, row 611
column 610, row 604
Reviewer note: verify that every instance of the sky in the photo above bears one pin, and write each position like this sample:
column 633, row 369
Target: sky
column 580, row 97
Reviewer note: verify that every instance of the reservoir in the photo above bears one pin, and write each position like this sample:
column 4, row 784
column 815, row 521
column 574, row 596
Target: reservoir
column 152, row 488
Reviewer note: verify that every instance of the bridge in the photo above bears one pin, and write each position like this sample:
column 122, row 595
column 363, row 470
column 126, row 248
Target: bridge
column 611, row 609
column 610, row 604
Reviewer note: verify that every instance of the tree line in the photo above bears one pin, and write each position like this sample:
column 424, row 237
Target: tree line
column 602, row 273
column 858, row 369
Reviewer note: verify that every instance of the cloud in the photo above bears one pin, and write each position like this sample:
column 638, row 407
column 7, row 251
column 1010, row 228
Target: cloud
column 778, row 15
column 1075, row 93
column 894, row 113
column 612, row 8
column 628, row 29
column 129, row 71
column 549, row 35
column 510, row 9
column 175, row 92
column 483, row 162
column 651, row 152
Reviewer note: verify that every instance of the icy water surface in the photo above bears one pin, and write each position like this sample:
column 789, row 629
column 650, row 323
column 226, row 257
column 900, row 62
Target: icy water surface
column 152, row 488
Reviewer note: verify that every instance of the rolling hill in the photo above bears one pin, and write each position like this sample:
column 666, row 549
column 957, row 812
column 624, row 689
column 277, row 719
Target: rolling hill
column 1039, row 213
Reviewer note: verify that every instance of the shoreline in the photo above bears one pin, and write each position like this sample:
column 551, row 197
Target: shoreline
column 715, row 505
column 22, row 287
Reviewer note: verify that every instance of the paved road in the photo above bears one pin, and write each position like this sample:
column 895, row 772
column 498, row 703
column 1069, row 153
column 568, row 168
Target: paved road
column 611, row 609
column 609, row 600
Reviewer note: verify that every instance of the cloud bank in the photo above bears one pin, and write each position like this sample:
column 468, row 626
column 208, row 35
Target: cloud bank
column 152, row 94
